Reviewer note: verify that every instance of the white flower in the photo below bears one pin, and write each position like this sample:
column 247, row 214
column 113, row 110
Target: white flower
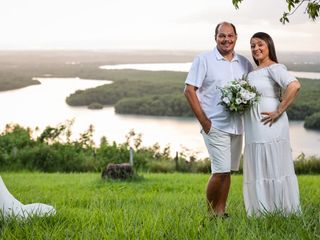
column 252, row 95
column 238, row 100
column 246, row 95
column 226, row 100
column 243, row 82
column 237, row 86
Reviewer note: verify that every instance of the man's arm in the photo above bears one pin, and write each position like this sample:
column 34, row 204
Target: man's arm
column 192, row 98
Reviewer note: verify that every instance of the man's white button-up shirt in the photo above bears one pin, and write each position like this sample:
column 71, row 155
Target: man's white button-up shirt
column 208, row 72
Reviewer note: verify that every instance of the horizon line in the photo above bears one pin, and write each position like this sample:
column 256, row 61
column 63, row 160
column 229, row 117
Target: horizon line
column 135, row 50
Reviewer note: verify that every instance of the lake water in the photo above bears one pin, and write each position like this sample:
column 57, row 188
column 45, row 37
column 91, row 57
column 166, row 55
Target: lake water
column 43, row 105
column 185, row 67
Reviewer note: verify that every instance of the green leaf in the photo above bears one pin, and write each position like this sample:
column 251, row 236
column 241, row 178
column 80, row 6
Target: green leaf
column 236, row 3
column 284, row 19
column 290, row 4
column 313, row 10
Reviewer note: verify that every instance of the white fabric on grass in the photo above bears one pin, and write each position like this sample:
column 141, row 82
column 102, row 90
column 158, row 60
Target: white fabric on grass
column 11, row 207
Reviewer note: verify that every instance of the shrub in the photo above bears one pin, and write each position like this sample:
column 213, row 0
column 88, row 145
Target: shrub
column 203, row 166
column 313, row 121
column 70, row 158
column 113, row 153
column 50, row 154
column 41, row 157
column 310, row 165
column 15, row 136
column 160, row 166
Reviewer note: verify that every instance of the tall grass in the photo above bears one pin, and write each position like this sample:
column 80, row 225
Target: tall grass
column 155, row 206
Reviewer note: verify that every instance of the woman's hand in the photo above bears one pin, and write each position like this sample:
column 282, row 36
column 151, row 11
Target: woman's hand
column 270, row 117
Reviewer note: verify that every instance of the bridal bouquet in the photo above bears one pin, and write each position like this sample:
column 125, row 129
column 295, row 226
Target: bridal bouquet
column 239, row 95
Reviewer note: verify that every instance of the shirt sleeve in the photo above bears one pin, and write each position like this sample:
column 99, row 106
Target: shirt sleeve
column 280, row 75
column 197, row 72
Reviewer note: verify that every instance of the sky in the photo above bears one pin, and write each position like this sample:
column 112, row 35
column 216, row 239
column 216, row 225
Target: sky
column 148, row 24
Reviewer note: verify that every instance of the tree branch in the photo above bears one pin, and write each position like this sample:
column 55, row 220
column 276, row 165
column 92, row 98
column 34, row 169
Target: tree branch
column 312, row 8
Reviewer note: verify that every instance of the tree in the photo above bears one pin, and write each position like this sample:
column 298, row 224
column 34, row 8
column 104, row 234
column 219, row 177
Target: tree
column 312, row 8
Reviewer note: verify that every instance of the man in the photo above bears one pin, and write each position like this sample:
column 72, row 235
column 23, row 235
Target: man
column 222, row 131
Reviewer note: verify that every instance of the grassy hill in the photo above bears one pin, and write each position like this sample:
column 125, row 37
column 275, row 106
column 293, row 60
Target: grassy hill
column 156, row 206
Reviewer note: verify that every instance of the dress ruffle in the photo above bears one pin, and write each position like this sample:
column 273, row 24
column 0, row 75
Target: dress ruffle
column 270, row 184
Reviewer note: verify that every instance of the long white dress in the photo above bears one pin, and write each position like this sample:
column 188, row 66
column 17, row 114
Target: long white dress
column 11, row 207
column 270, row 184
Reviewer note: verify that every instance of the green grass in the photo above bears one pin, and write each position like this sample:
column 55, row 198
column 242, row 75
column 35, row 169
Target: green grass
column 157, row 206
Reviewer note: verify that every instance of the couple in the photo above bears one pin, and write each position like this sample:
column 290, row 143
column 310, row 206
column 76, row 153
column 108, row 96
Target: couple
column 270, row 184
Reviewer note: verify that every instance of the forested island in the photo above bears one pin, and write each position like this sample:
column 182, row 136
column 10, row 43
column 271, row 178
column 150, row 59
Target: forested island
column 158, row 93
column 161, row 94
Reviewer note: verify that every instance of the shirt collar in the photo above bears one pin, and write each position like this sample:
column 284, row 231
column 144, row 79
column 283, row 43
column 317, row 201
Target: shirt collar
column 221, row 58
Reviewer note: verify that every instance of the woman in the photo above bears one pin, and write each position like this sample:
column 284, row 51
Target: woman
column 270, row 183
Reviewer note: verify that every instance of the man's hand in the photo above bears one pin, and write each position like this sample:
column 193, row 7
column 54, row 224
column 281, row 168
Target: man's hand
column 206, row 126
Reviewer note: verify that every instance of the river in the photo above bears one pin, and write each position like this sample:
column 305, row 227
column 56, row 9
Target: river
column 44, row 104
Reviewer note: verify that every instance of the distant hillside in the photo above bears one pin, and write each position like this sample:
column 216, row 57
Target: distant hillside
column 17, row 68
column 296, row 61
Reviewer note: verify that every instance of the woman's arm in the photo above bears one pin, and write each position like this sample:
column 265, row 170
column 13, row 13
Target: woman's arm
column 289, row 95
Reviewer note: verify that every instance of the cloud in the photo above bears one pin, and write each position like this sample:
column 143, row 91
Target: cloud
column 165, row 24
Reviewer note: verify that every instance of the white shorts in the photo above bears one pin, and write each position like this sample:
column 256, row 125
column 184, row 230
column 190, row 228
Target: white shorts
column 224, row 150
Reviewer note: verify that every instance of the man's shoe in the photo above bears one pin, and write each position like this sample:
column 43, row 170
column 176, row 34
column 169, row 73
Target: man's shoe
column 211, row 218
column 216, row 216
column 225, row 215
